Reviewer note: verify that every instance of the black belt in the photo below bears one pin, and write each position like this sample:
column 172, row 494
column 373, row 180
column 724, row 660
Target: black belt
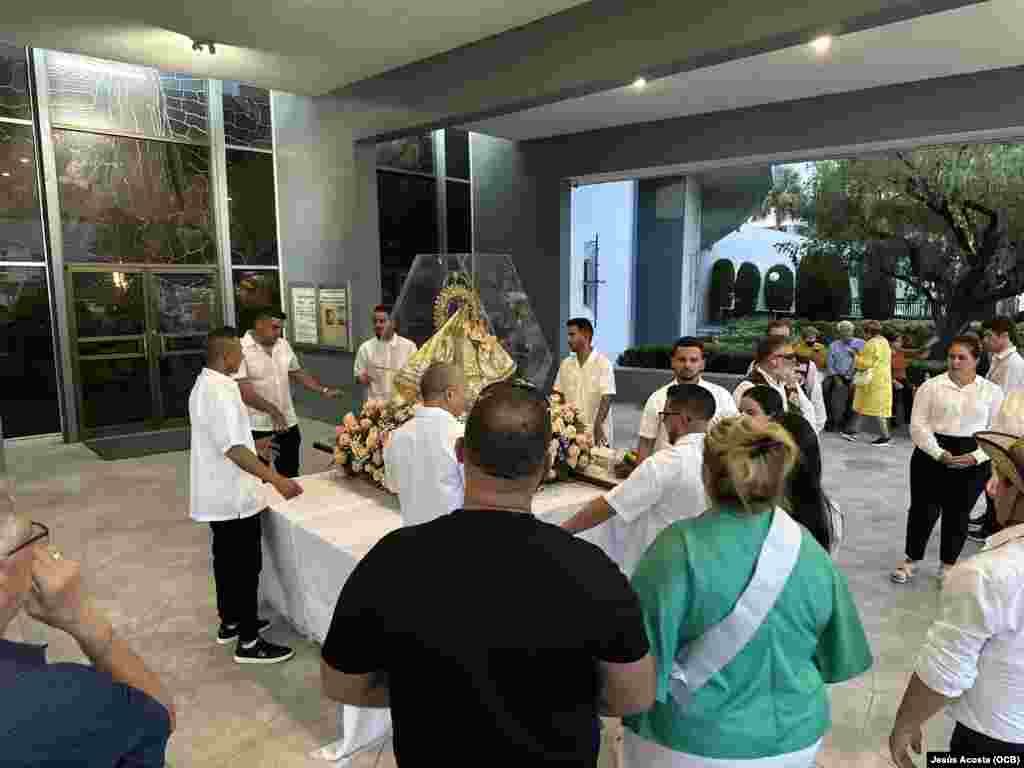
column 957, row 445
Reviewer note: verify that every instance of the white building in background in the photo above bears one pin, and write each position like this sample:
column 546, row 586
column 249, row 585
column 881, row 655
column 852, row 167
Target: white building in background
column 603, row 237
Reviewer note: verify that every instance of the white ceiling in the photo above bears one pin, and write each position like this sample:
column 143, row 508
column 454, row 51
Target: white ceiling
column 302, row 46
column 971, row 39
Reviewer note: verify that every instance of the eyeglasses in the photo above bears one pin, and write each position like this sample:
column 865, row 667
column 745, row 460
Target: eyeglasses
column 39, row 533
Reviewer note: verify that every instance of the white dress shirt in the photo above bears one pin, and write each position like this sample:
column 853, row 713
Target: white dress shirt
column 585, row 385
column 220, row 489
column 651, row 426
column 1007, row 369
column 975, row 649
column 421, row 466
column 943, row 408
column 806, row 406
column 667, row 486
column 268, row 373
column 382, row 360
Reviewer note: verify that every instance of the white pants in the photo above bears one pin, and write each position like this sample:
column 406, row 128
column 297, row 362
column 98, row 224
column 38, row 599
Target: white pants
column 638, row 752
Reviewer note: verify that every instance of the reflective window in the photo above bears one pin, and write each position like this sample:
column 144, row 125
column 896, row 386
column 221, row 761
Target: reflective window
column 460, row 233
column 254, row 290
column 21, row 231
column 110, row 96
column 415, row 153
column 408, row 226
column 14, row 96
column 246, row 116
column 253, row 220
column 130, row 201
column 28, row 376
column 456, row 154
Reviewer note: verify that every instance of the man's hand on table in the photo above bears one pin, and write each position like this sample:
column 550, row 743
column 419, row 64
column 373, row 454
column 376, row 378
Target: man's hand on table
column 286, row 486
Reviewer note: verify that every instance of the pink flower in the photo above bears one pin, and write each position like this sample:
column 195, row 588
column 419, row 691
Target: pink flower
column 365, row 425
column 339, row 430
column 350, row 423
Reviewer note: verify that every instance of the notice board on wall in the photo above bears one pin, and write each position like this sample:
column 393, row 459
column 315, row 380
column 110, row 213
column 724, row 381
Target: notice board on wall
column 321, row 316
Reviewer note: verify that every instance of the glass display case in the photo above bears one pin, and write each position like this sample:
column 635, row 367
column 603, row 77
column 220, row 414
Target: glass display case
column 430, row 296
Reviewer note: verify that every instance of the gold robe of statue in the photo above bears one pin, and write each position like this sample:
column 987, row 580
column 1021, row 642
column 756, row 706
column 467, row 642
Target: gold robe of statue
column 462, row 341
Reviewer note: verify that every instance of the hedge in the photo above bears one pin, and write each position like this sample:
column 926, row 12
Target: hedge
column 822, row 286
column 748, row 289
column 721, row 285
column 778, row 291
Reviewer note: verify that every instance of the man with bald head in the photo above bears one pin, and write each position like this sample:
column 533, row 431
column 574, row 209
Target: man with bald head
column 112, row 712
column 225, row 477
column 421, row 466
column 511, row 627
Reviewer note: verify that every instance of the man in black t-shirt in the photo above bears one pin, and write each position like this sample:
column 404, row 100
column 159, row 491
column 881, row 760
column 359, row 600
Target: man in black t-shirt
column 486, row 625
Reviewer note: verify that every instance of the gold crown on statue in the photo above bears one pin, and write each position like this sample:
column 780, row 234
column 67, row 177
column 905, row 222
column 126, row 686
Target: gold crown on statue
column 456, row 293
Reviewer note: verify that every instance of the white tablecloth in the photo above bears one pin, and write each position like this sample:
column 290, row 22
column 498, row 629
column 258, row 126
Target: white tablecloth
column 312, row 543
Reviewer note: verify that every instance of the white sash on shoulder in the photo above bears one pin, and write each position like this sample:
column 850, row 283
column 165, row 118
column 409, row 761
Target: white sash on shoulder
column 696, row 663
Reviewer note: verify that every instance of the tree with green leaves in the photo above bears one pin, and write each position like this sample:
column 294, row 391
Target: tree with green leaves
column 946, row 221
column 720, row 290
column 784, row 199
column 748, row 289
column 822, row 278
column 778, row 288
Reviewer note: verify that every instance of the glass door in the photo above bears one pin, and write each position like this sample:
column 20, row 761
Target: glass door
column 139, row 343
column 185, row 307
column 110, row 348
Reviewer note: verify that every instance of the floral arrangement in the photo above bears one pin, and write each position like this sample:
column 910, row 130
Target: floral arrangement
column 570, row 442
column 359, row 448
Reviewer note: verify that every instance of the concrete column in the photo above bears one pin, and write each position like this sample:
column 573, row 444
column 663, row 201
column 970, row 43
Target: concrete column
column 658, row 277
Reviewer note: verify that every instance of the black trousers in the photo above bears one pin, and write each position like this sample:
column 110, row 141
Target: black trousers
column 288, row 446
column 969, row 742
column 237, row 562
column 935, row 490
column 838, row 396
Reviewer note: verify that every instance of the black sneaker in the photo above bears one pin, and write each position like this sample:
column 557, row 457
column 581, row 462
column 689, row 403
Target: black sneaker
column 882, row 442
column 229, row 633
column 259, row 651
column 978, row 537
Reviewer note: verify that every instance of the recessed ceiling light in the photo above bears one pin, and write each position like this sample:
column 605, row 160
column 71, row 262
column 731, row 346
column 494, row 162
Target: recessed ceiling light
column 5, row 173
column 640, row 82
column 25, row 161
column 822, row 45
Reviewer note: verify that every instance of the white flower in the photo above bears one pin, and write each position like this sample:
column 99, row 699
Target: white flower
column 367, row 467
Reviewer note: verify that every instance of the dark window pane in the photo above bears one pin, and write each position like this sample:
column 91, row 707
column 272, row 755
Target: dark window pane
column 407, row 206
column 251, row 205
column 21, row 230
column 115, row 392
column 109, row 304
column 415, row 153
column 111, row 96
column 460, row 233
column 28, row 375
column 14, row 98
column 131, row 201
column 255, row 290
column 246, row 116
column 456, row 153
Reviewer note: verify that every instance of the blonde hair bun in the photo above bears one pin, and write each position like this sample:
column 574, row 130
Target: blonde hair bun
column 748, row 460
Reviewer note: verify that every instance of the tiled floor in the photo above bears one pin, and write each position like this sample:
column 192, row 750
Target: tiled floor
column 149, row 565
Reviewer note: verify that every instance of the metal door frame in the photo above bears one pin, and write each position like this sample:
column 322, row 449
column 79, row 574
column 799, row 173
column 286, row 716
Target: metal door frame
column 151, row 352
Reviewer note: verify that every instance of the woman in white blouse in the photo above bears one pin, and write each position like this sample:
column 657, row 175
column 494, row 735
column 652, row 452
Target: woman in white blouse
column 973, row 659
column 948, row 471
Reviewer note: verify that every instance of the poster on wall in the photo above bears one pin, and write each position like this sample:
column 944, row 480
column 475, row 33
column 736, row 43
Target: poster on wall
column 333, row 317
column 303, row 314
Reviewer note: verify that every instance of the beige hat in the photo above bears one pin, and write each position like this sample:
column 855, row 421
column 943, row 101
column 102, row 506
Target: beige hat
column 1007, row 454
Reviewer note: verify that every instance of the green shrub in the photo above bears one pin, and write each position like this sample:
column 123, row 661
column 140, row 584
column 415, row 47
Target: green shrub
column 721, row 286
column 748, row 289
column 778, row 288
column 822, row 286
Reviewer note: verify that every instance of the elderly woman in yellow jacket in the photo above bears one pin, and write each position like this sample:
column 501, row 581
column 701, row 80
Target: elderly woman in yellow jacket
column 872, row 385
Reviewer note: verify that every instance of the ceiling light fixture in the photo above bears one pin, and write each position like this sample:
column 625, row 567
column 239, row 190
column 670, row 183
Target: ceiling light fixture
column 5, row 174
column 822, row 45
column 640, row 82
column 25, row 161
column 197, row 45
